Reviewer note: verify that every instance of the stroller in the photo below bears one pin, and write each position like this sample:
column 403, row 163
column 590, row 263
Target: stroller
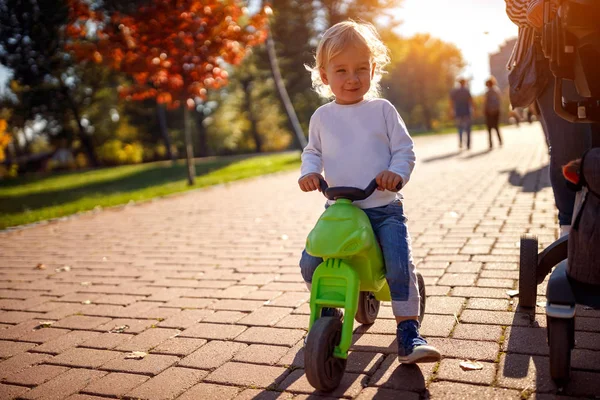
column 571, row 42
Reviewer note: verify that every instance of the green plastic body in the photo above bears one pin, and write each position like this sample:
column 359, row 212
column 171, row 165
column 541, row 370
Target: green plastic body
column 352, row 262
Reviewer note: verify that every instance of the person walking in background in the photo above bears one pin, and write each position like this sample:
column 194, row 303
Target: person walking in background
column 491, row 109
column 462, row 106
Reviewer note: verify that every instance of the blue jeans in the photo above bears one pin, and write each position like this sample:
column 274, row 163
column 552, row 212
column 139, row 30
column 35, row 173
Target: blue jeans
column 389, row 225
column 567, row 141
column 463, row 123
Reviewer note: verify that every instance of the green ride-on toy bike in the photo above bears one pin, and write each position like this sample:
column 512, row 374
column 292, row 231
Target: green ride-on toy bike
column 351, row 276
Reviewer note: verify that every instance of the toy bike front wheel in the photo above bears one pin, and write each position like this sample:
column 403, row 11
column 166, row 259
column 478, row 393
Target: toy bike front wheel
column 528, row 272
column 368, row 308
column 324, row 371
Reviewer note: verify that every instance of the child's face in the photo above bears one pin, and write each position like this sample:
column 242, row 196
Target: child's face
column 349, row 74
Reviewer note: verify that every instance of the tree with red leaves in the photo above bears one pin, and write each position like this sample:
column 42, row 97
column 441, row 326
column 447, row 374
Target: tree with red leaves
column 174, row 50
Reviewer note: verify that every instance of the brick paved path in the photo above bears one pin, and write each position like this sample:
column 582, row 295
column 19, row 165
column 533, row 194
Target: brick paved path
column 207, row 284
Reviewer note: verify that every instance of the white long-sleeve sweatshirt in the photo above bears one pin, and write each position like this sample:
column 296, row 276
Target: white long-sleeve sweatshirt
column 353, row 143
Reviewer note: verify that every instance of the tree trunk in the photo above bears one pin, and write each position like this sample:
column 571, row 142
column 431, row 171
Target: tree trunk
column 162, row 121
column 86, row 141
column 283, row 95
column 247, row 86
column 189, row 149
column 202, row 150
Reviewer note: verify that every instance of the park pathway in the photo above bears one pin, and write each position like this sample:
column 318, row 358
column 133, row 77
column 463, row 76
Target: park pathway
column 207, row 284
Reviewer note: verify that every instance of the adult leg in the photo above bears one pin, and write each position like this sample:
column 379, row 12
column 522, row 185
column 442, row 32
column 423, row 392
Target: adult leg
column 567, row 141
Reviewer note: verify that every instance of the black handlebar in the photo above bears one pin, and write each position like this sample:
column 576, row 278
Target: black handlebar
column 348, row 192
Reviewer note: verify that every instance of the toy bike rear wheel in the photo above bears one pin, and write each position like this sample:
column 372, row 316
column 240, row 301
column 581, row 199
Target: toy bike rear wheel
column 422, row 296
column 324, row 371
column 368, row 308
column 528, row 272
column 561, row 334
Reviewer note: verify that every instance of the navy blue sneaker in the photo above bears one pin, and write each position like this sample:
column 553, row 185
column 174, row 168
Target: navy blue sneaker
column 412, row 348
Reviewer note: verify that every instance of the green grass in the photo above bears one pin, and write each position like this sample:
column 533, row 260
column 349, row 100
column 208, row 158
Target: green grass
column 39, row 197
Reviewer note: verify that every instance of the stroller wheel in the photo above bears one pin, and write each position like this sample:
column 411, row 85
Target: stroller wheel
column 560, row 339
column 528, row 272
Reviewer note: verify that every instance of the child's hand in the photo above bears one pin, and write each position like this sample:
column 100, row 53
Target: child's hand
column 310, row 182
column 388, row 180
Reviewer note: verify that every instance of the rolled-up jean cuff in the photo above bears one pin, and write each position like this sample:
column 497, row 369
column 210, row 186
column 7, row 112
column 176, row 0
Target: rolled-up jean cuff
column 408, row 308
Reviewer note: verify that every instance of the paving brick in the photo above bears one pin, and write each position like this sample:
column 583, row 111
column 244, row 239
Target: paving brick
column 294, row 322
column 273, row 336
column 257, row 394
column 294, row 357
column 444, row 305
column 212, row 355
column 168, row 384
column 494, row 317
column 374, row 343
column 64, row 385
column 518, row 371
column 584, row 384
column 490, row 333
column 213, row 331
column 132, row 325
column 451, row 279
column 488, row 304
column 460, row 391
column 210, row 391
column 491, row 293
column 386, row 394
column 265, row 316
column 9, row 349
column 451, row 370
column 225, row 317
column 363, row 363
column 106, row 341
column 350, row 385
column 36, row 375
column 148, row 339
column 470, row 349
column 10, row 392
column 410, row 377
column 264, row 295
column 20, row 362
column 237, row 305
column 290, row 299
column 152, row 364
column 84, row 358
column 66, row 342
column 184, row 319
column 240, row 374
column 81, row 322
column 525, row 340
column 436, row 325
column 179, row 346
column 16, row 317
column 261, row 354
column 43, row 335
column 115, row 384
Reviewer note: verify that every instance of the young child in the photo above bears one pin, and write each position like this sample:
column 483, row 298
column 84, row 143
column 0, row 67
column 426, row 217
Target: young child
column 353, row 139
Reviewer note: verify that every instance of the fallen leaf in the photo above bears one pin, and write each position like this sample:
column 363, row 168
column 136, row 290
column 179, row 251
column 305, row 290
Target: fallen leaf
column 136, row 355
column 541, row 304
column 64, row 268
column 284, row 237
column 471, row 365
column 512, row 293
column 44, row 324
column 40, row 266
column 119, row 329
column 86, row 302
column 86, row 283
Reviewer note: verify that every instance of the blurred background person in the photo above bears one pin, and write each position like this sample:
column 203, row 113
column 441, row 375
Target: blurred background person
column 462, row 109
column 491, row 109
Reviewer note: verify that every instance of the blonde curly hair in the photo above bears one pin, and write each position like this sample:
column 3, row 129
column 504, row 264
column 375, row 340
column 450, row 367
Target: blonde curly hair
column 335, row 40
